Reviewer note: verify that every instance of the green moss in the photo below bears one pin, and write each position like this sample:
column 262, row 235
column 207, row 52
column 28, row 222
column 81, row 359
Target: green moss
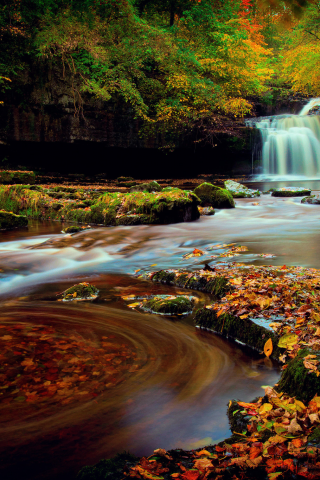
column 10, row 220
column 147, row 187
column 134, row 220
column 216, row 286
column 213, row 196
column 314, row 438
column 111, row 469
column 244, row 330
column 124, row 179
column 297, row 381
column 83, row 290
column 15, row 177
column 73, row 229
column 178, row 305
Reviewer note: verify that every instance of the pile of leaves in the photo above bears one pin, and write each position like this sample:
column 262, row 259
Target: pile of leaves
column 276, row 445
column 45, row 365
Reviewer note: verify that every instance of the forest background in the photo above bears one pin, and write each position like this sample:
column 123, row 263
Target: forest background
column 181, row 65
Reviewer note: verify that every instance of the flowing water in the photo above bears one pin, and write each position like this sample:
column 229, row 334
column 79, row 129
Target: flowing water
column 290, row 143
column 130, row 381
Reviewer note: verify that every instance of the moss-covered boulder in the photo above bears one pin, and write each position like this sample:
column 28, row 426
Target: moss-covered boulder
column 243, row 330
column 169, row 305
column 79, row 292
column 291, row 192
column 212, row 196
column 147, row 187
column 238, row 190
column 298, row 381
column 13, row 177
column 10, row 220
column 312, row 200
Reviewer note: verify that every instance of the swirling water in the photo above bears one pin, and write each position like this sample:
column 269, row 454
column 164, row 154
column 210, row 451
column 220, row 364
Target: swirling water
column 178, row 394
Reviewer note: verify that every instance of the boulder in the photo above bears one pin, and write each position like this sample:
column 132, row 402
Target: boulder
column 291, row 192
column 9, row 220
column 212, row 196
column 238, row 190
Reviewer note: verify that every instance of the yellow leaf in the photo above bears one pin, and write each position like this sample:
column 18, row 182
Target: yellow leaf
column 266, row 407
column 288, row 340
column 154, row 265
column 268, row 347
column 300, row 406
column 135, row 304
column 75, row 294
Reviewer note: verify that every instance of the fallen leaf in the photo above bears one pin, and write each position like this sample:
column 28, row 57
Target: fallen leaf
column 268, row 347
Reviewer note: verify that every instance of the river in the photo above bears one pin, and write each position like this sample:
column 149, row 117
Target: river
column 165, row 384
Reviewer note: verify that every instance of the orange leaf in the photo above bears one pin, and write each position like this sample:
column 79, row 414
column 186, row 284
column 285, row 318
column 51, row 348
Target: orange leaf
column 268, row 347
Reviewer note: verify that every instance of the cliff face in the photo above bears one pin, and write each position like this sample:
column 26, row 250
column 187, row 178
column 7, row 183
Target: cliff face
column 48, row 106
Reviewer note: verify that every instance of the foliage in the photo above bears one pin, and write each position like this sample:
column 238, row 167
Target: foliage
column 206, row 64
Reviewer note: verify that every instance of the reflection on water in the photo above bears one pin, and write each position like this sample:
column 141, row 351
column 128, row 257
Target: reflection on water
column 176, row 398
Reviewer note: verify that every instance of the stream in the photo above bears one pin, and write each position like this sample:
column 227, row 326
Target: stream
column 165, row 384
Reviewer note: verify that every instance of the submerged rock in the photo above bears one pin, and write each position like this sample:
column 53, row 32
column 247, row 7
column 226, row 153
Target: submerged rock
column 290, row 192
column 238, row 190
column 170, row 305
column 10, row 220
column 80, row 292
column 312, row 200
column 212, row 196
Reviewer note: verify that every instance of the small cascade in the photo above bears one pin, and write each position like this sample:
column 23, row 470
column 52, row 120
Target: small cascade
column 290, row 143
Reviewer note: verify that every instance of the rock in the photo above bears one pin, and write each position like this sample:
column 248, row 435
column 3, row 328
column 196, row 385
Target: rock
column 8, row 177
column 243, row 330
column 80, row 292
column 124, row 179
column 312, row 200
column 147, row 187
column 212, row 196
column 167, row 304
column 290, row 192
column 297, row 381
column 10, row 220
column 238, row 190
column 74, row 229
column 206, row 211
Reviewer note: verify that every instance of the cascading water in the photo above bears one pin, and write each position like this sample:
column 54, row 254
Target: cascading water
column 291, row 143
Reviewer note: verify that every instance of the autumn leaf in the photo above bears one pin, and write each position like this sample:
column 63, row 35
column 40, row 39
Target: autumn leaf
column 268, row 347
column 288, row 340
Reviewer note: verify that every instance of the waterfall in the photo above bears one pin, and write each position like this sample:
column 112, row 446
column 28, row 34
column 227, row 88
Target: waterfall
column 290, row 143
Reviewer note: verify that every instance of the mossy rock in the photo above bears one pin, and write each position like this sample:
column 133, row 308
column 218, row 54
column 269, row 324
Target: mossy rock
column 312, row 200
column 291, row 192
column 216, row 286
column 75, row 229
column 238, row 190
column 170, row 306
column 9, row 221
column 126, row 184
column 243, row 330
column 17, row 177
column 147, row 187
column 299, row 382
column 212, row 196
column 81, row 291
column 206, row 211
column 57, row 195
column 64, row 189
column 110, row 469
